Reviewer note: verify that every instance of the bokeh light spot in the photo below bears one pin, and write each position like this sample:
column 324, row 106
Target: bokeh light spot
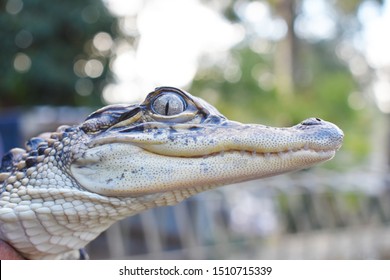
column 13, row 7
column 22, row 63
column 93, row 68
column 23, row 39
column 102, row 42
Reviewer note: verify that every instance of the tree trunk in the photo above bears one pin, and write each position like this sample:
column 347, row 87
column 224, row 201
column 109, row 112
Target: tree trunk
column 286, row 52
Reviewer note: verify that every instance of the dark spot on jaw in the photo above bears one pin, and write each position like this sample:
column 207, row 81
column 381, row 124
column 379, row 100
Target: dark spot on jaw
column 204, row 167
column 109, row 181
column 194, row 138
column 157, row 133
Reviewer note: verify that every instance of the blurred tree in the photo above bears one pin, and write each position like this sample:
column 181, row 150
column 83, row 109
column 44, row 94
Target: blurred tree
column 286, row 62
column 54, row 52
column 289, row 62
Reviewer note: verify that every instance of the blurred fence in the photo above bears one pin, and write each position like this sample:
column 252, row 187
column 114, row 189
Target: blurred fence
column 306, row 215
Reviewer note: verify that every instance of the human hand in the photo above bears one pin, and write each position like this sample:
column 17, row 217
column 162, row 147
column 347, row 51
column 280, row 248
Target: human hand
column 8, row 253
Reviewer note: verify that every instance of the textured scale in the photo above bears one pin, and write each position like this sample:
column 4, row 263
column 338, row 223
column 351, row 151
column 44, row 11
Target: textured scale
column 68, row 186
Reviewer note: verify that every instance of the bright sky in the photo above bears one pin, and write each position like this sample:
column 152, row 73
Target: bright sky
column 174, row 34
column 317, row 20
column 376, row 47
column 376, row 27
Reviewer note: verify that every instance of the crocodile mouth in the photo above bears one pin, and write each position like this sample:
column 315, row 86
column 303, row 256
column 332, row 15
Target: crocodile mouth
column 322, row 153
column 157, row 158
column 121, row 169
column 285, row 153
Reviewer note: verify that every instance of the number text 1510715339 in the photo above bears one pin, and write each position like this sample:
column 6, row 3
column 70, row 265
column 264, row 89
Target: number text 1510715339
column 242, row 270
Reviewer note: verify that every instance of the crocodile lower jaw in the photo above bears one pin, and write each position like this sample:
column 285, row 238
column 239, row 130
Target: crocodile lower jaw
column 121, row 170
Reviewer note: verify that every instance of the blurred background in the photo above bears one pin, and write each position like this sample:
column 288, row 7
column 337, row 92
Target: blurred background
column 273, row 62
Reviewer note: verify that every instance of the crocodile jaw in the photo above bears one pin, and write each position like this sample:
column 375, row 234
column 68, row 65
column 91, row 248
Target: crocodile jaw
column 151, row 173
column 132, row 165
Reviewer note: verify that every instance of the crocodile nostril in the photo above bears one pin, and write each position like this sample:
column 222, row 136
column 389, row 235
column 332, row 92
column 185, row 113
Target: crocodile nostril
column 312, row 121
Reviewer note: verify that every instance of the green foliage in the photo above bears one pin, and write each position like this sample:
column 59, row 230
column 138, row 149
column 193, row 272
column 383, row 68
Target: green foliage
column 40, row 43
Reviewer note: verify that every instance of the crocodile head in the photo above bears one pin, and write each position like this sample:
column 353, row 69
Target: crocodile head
column 70, row 185
column 175, row 141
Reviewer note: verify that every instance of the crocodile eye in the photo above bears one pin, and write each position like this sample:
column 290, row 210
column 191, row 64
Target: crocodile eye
column 168, row 104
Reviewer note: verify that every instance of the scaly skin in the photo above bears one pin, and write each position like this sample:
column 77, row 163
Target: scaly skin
column 69, row 186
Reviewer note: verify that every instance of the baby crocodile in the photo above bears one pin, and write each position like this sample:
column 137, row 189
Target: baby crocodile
column 68, row 186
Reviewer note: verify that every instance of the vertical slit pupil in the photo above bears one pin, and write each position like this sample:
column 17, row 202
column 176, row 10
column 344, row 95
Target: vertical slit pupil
column 167, row 108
